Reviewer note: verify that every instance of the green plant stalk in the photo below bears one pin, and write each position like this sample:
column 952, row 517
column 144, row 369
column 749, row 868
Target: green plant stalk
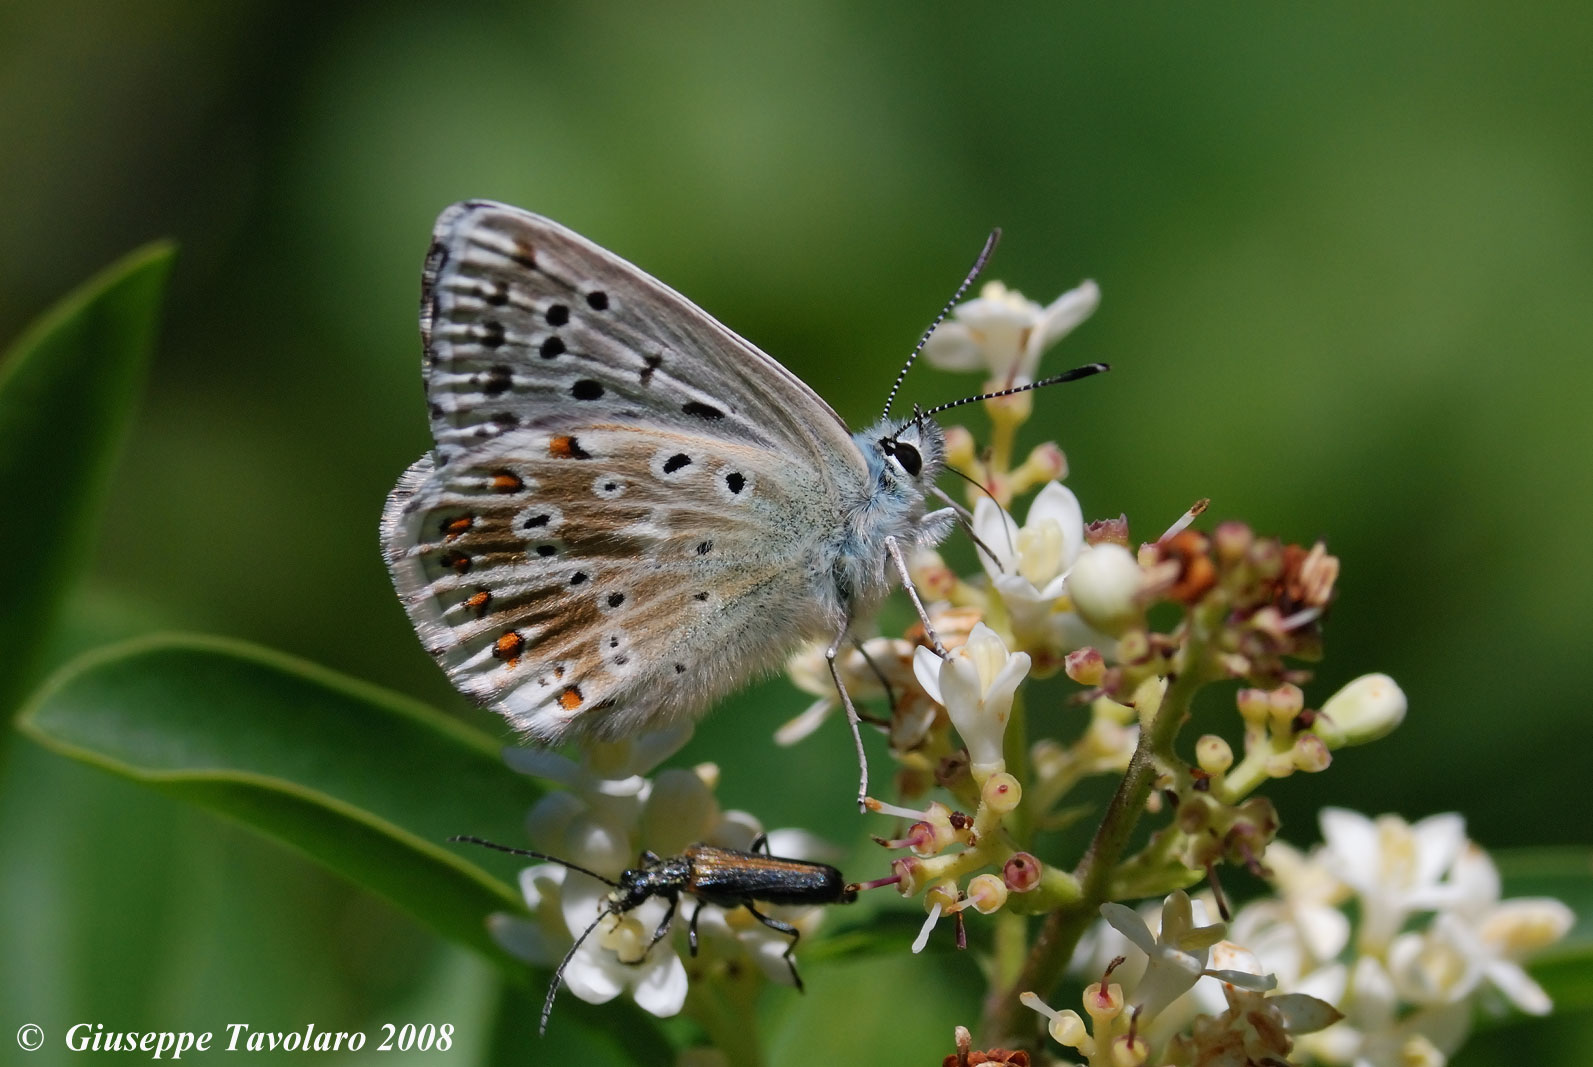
column 728, row 1020
column 1003, row 1021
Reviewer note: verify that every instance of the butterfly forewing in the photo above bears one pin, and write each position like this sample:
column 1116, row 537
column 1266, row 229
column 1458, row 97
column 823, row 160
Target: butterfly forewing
column 627, row 502
column 528, row 324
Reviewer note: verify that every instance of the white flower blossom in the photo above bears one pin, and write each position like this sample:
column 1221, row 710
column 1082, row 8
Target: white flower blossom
column 1105, row 585
column 1374, row 1032
column 1396, row 868
column 1028, row 566
column 976, row 684
column 1178, row 953
column 1500, row 934
column 1004, row 334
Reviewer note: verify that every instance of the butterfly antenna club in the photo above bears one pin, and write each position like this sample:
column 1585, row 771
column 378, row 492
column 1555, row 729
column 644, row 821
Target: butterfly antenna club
column 973, row 272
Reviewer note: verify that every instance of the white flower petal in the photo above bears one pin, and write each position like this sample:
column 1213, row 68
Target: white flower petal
column 1065, row 313
column 800, row 726
column 661, row 986
column 1514, row 982
column 1303, row 1014
column 1126, row 921
column 952, row 347
column 1056, row 503
column 926, row 668
column 522, row 939
column 594, row 975
column 1439, row 839
column 1353, row 846
column 997, row 531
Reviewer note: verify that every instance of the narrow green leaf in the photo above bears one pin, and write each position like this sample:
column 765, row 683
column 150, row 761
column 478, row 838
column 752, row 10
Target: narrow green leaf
column 361, row 779
column 68, row 390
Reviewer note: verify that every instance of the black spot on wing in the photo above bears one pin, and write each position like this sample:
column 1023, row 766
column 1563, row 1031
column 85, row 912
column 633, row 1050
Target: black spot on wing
column 701, row 410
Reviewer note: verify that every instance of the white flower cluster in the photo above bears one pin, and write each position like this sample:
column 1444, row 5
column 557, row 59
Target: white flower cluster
column 1407, row 990
column 606, row 815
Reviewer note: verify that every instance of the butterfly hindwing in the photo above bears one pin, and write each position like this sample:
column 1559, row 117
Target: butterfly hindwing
column 595, row 582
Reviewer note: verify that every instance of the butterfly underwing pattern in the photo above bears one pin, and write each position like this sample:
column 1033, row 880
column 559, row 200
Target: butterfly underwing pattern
column 629, row 510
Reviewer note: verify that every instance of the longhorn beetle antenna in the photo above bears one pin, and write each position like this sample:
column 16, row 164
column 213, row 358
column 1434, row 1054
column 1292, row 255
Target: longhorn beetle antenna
column 558, row 973
column 534, row 855
column 1056, row 379
column 973, row 272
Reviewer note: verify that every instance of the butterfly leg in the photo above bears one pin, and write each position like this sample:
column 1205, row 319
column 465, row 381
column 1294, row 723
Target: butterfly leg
column 895, row 551
column 784, row 928
column 761, row 844
column 885, row 683
column 851, row 718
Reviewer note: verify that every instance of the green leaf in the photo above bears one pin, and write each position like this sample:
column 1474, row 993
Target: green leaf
column 68, row 390
column 363, row 780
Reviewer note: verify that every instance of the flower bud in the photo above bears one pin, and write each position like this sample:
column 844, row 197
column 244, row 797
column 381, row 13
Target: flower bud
column 910, row 871
column 959, row 447
column 1104, row 587
column 1085, row 666
column 1231, row 540
column 1103, row 1004
column 1311, row 753
column 1130, row 1050
column 1000, row 793
column 986, row 893
column 1213, row 754
column 1368, row 708
column 1021, row 873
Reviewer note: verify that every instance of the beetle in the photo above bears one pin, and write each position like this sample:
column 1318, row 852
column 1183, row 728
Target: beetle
column 725, row 877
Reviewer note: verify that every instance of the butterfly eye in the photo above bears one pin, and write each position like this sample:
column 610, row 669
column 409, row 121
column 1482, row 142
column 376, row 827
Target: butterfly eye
column 906, row 456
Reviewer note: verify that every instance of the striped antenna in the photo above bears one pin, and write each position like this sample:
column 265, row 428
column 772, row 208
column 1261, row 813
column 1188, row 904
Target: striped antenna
column 973, row 272
column 1056, row 379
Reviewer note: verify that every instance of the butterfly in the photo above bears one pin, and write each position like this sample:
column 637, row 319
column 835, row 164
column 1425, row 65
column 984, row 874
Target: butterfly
column 629, row 510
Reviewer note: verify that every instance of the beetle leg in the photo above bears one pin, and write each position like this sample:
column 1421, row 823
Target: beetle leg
column 691, row 930
column 784, row 928
column 663, row 925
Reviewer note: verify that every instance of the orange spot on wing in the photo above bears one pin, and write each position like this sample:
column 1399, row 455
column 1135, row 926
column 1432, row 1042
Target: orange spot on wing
column 454, row 527
column 564, row 446
column 478, row 602
column 507, row 482
column 570, row 699
column 507, row 648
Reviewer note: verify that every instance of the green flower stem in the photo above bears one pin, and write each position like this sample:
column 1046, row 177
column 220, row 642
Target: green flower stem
column 1250, row 773
column 725, row 1011
column 1057, row 889
column 1004, row 1019
column 1019, row 822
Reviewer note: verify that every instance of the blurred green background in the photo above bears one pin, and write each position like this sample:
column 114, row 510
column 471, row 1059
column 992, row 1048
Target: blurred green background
column 1346, row 257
